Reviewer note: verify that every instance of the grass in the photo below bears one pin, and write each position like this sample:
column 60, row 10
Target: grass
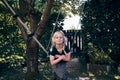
column 45, row 73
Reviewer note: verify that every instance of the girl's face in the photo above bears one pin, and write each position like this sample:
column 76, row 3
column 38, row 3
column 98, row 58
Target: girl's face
column 59, row 39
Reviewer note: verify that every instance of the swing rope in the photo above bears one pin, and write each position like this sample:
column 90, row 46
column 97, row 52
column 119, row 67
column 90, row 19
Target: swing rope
column 20, row 21
column 40, row 45
column 54, row 28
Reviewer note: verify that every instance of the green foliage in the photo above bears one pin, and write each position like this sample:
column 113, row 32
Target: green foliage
column 11, row 44
column 98, row 57
column 100, row 27
column 39, row 5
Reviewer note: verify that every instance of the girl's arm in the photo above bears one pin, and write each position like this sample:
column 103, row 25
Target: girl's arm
column 67, row 57
column 54, row 61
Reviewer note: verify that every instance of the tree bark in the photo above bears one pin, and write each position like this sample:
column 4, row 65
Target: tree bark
column 32, row 59
column 45, row 16
column 32, row 46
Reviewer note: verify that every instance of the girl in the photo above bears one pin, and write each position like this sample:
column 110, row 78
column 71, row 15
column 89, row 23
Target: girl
column 59, row 55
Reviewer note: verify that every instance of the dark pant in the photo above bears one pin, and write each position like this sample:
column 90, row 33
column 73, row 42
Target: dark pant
column 59, row 71
column 55, row 77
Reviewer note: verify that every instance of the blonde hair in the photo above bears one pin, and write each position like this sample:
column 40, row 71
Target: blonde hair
column 64, row 38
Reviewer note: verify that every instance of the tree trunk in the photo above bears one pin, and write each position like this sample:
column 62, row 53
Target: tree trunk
column 32, row 59
column 32, row 46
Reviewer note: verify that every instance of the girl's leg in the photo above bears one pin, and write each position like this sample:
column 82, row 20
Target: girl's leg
column 54, row 76
column 55, row 79
column 63, row 79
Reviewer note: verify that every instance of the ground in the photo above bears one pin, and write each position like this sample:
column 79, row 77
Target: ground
column 73, row 68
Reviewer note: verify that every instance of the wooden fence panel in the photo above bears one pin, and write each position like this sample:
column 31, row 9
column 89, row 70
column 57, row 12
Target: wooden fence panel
column 74, row 41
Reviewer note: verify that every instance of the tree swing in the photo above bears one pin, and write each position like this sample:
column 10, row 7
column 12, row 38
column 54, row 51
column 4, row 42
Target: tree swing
column 31, row 34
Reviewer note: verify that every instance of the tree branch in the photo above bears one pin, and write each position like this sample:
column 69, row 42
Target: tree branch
column 44, row 18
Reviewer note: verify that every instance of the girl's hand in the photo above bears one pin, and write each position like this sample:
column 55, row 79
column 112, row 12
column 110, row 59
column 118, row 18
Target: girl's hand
column 62, row 57
column 57, row 56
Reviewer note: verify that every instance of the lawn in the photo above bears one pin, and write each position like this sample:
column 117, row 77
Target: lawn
column 74, row 73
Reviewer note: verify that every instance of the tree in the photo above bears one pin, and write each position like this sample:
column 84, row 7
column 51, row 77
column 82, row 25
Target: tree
column 36, row 15
column 32, row 46
column 101, row 27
